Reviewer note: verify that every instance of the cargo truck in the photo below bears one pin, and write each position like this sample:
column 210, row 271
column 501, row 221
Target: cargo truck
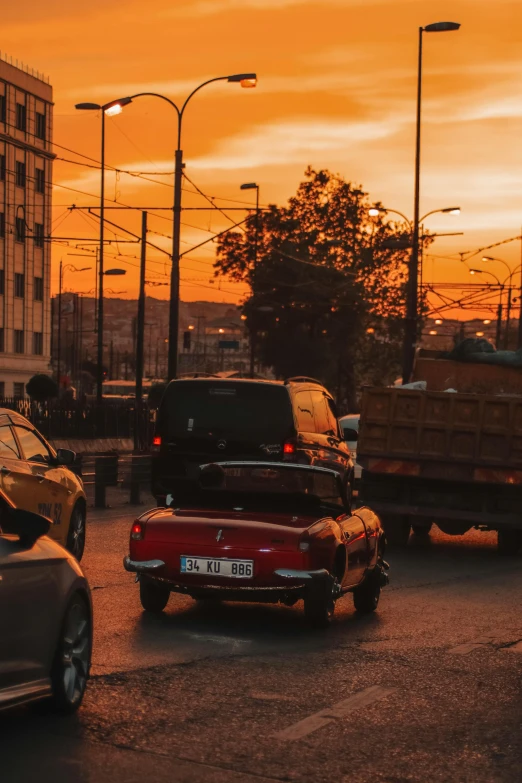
column 453, row 458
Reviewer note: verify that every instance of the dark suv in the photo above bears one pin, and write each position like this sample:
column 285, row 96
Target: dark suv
column 205, row 420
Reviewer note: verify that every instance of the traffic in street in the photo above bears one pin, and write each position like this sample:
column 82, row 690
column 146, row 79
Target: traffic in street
column 426, row 688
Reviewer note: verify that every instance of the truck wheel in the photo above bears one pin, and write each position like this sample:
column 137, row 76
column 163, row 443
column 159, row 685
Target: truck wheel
column 509, row 542
column 154, row 596
column 366, row 596
column 421, row 530
column 397, row 529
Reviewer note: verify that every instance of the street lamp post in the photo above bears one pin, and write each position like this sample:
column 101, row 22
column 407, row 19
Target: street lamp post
column 508, row 307
column 410, row 332
column 111, row 108
column 245, row 80
column 252, row 186
column 499, row 308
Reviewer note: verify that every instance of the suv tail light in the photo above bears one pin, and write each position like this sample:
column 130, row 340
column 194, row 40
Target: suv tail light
column 289, row 447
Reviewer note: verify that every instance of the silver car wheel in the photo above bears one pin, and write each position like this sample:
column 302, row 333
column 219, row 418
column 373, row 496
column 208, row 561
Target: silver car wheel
column 76, row 535
column 75, row 652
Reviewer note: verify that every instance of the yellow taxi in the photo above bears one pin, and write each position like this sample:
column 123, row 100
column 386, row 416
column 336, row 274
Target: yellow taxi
column 36, row 478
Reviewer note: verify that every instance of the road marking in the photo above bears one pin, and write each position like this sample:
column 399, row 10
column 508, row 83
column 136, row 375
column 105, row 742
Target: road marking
column 218, row 639
column 339, row 710
column 272, row 697
column 464, row 649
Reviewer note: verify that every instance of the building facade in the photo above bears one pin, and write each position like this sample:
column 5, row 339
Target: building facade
column 25, row 226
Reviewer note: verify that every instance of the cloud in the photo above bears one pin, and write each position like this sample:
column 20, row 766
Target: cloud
column 288, row 142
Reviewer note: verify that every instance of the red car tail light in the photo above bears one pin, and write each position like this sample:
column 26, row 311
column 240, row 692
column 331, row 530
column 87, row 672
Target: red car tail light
column 289, row 448
column 137, row 531
column 156, row 443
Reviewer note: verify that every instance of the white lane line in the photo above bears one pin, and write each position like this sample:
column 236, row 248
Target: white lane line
column 339, row 710
column 464, row 649
column 218, row 639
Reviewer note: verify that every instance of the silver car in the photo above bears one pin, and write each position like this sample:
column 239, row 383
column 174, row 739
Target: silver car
column 45, row 615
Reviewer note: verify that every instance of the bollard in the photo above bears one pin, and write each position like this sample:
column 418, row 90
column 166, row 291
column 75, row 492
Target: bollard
column 105, row 475
column 139, row 474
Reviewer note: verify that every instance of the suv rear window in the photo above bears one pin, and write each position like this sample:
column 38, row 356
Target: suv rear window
column 243, row 411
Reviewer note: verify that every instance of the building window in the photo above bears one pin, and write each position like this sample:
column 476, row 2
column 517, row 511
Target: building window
column 40, row 180
column 2, row 344
column 20, row 174
column 38, row 235
column 2, row 281
column 19, row 390
column 21, row 116
column 2, row 224
column 2, row 390
column 18, row 341
column 2, row 167
column 40, row 125
column 20, row 229
column 19, row 285
column 38, row 343
column 38, row 289
column 2, row 108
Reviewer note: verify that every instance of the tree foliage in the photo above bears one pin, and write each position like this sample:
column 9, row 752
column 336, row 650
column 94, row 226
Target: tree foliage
column 41, row 388
column 324, row 276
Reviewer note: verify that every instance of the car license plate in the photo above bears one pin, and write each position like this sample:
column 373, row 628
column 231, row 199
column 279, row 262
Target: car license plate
column 205, row 566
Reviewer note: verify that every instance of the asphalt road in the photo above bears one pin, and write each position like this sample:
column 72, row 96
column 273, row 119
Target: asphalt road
column 427, row 689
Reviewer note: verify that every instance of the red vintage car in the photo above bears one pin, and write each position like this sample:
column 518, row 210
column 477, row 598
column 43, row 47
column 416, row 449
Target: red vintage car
column 265, row 532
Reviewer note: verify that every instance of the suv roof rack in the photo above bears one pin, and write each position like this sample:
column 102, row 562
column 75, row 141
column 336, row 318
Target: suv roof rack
column 302, row 379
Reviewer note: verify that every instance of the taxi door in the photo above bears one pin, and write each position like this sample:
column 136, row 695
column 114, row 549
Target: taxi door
column 50, row 493
column 15, row 475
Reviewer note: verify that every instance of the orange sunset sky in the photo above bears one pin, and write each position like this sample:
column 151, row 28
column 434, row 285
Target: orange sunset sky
column 336, row 89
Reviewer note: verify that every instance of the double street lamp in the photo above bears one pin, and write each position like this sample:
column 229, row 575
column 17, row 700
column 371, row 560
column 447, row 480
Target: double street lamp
column 501, row 286
column 410, row 332
column 115, row 107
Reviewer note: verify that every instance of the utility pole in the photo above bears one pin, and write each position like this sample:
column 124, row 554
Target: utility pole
column 140, row 334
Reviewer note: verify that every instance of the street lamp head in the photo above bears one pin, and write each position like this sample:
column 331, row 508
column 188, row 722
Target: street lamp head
column 451, row 211
column 488, row 258
column 249, row 186
column 114, row 272
column 116, row 107
column 88, row 106
column 475, row 271
column 244, row 79
column 376, row 211
column 441, row 27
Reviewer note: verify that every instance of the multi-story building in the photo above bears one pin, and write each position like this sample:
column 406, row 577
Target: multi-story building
column 25, row 226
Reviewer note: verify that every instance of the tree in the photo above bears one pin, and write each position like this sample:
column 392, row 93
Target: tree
column 41, row 388
column 328, row 294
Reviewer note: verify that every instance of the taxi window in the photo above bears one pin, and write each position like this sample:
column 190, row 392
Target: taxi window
column 33, row 448
column 8, row 447
column 305, row 412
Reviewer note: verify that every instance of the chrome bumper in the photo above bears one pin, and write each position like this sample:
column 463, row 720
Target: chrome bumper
column 141, row 566
column 307, row 576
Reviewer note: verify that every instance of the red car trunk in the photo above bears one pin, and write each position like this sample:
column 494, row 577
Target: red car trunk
column 257, row 536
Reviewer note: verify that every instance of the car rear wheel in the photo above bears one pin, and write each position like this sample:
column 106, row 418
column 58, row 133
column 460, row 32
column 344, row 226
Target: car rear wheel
column 76, row 534
column 397, row 529
column 154, row 596
column 366, row 596
column 319, row 605
column 70, row 669
column 421, row 530
column 509, row 542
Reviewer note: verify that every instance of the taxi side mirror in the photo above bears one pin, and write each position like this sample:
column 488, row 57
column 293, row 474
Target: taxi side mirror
column 350, row 434
column 65, row 457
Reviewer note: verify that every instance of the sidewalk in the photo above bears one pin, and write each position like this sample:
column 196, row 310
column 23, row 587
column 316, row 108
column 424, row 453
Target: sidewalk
column 118, row 498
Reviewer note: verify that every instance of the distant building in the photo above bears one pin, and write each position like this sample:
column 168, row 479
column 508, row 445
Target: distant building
column 25, row 224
